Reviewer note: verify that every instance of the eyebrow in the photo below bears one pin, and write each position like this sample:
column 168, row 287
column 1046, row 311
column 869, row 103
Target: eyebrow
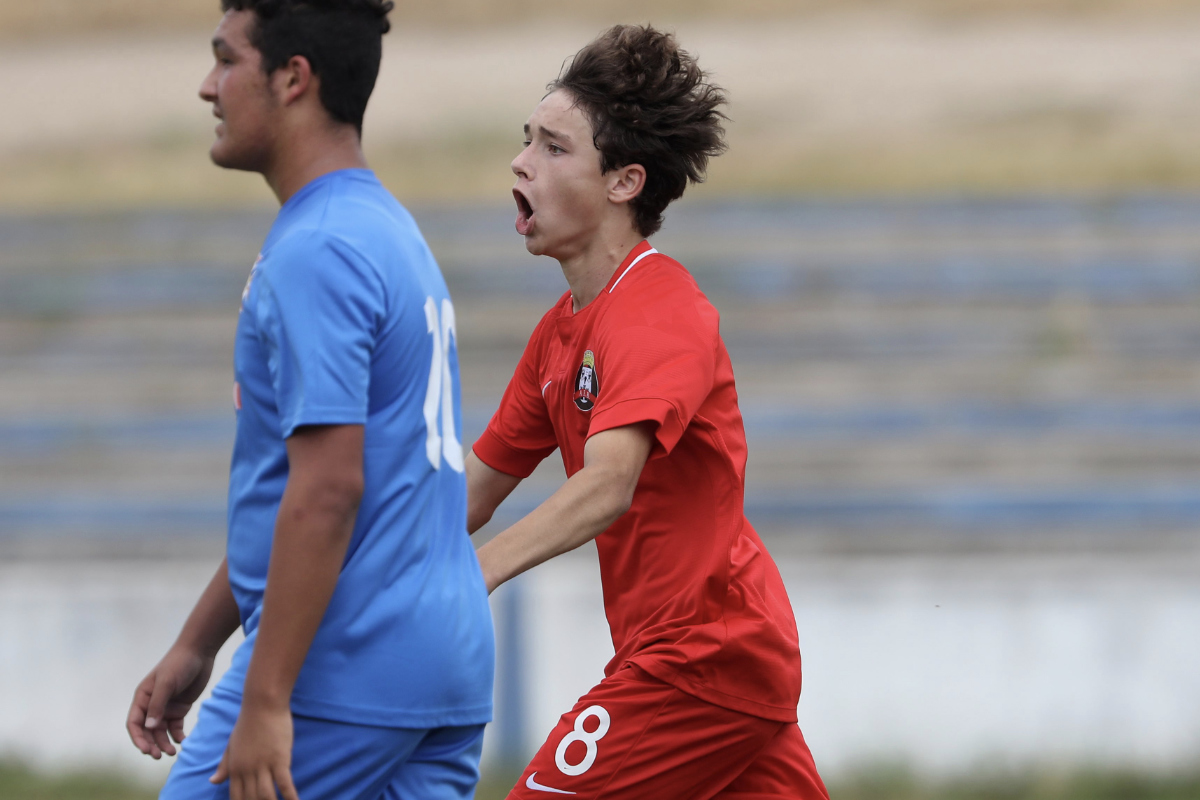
column 219, row 43
column 549, row 134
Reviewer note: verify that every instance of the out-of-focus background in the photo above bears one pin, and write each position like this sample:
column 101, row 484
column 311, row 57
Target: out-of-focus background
column 956, row 249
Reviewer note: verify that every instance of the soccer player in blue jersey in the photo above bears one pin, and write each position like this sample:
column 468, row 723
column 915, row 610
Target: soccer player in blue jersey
column 366, row 672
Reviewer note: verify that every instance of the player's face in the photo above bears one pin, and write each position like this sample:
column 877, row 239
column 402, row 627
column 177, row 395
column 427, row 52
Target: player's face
column 241, row 97
column 561, row 194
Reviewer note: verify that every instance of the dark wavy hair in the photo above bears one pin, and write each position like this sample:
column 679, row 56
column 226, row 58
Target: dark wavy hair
column 342, row 40
column 649, row 103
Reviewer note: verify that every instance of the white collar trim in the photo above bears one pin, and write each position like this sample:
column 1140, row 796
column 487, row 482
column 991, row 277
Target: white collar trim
column 649, row 252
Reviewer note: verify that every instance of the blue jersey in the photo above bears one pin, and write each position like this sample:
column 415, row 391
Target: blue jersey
column 346, row 320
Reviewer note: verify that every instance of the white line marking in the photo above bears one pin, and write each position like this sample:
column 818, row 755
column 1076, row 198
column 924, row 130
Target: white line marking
column 537, row 787
column 547, row 384
column 649, row 252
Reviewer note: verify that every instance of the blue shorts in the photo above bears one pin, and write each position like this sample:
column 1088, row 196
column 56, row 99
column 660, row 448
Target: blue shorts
column 337, row 760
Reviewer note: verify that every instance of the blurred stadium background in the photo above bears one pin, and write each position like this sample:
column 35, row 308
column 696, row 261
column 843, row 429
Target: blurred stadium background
column 956, row 248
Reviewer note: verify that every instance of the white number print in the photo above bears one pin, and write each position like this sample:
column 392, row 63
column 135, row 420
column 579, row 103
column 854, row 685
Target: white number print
column 588, row 739
column 439, row 397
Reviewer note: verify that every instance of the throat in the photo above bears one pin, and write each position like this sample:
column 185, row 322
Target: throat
column 586, row 286
column 589, row 272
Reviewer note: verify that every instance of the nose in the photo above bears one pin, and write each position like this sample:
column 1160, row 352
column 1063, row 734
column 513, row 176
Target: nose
column 520, row 166
column 208, row 87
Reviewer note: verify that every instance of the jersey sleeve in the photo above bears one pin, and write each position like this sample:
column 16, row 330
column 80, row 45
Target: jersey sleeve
column 520, row 434
column 319, row 310
column 658, row 371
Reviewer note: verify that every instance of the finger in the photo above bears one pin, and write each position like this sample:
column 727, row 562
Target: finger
column 162, row 740
column 283, row 779
column 222, row 773
column 160, row 695
column 175, row 726
column 135, row 721
column 235, row 788
column 137, row 735
column 265, row 785
column 139, row 739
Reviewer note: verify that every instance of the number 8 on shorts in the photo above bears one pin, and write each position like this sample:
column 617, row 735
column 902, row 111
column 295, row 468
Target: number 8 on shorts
column 588, row 739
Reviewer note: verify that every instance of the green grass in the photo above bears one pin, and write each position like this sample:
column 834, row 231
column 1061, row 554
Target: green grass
column 1093, row 785
column 20, row 783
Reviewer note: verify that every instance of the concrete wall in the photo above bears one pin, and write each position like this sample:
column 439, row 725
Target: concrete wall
column 940, row 662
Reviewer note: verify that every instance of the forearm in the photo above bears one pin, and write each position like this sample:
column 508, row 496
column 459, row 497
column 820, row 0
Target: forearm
column 583, row 508
column 311, row 537
column 214, row 618
column 486, row 490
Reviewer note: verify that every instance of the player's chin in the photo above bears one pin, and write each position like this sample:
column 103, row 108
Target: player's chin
column 228, row 157
column 535, row 244
column 219, row 154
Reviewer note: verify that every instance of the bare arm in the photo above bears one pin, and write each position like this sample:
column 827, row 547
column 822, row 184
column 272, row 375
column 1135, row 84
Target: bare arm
column 582, row 508
column 312, row 531
column 165, row 696
column 486, row 489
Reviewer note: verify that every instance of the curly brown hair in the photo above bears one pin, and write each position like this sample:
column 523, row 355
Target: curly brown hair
column 649, row 103
column 340, row 38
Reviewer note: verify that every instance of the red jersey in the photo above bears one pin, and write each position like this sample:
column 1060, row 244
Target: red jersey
column 690, row 592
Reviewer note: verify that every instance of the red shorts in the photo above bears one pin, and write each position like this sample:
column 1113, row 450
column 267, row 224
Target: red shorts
column 634, row 736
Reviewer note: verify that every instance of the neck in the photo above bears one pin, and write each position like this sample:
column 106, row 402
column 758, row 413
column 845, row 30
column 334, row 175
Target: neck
column 589, row 271
column 307, row 157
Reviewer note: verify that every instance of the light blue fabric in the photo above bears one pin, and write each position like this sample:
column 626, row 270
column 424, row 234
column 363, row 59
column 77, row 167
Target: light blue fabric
column 337, row 761
column 346, row 319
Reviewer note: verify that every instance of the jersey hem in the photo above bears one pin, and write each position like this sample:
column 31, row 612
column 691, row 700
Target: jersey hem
column 718, row 698
column 503, row 457
column 391, row 718
column 643, row 409
column 324, row 415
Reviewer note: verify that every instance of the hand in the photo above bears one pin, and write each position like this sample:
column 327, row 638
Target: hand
column 259, row 755
column 163, row 699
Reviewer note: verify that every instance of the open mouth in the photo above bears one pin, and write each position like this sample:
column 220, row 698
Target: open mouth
column 524, row 213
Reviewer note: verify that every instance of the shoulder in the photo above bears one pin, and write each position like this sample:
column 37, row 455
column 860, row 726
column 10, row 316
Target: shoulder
column 304, row 247
column 351, row 217
column 659, row 292
column 317, row 259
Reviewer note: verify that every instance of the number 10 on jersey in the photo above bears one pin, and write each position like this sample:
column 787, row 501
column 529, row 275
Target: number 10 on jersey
column 439, row 397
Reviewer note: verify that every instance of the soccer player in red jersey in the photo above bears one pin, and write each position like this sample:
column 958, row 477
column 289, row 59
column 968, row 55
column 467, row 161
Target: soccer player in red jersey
column 627, row 376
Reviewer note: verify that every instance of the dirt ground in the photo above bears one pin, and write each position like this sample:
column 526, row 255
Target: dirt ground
column 850, row 102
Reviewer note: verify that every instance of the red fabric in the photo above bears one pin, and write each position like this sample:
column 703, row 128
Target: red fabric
column 659, row 743
column 691, row 594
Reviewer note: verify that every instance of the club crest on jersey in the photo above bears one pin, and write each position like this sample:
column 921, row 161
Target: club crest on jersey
column 587, row 383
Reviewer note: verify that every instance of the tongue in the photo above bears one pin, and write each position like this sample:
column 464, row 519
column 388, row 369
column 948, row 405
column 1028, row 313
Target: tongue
column 524, row 222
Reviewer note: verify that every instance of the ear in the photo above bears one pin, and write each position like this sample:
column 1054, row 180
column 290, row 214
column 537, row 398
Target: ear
column 626, row 183
column 293, row 80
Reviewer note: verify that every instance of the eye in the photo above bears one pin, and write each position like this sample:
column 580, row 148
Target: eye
column 526, row 143
column 556, row 149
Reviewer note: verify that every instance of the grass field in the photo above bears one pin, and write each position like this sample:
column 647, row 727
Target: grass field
column 18, row 783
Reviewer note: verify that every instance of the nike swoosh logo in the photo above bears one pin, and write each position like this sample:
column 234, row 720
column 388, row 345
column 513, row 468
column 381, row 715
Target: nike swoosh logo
column 537, row 787
column 544, row 391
